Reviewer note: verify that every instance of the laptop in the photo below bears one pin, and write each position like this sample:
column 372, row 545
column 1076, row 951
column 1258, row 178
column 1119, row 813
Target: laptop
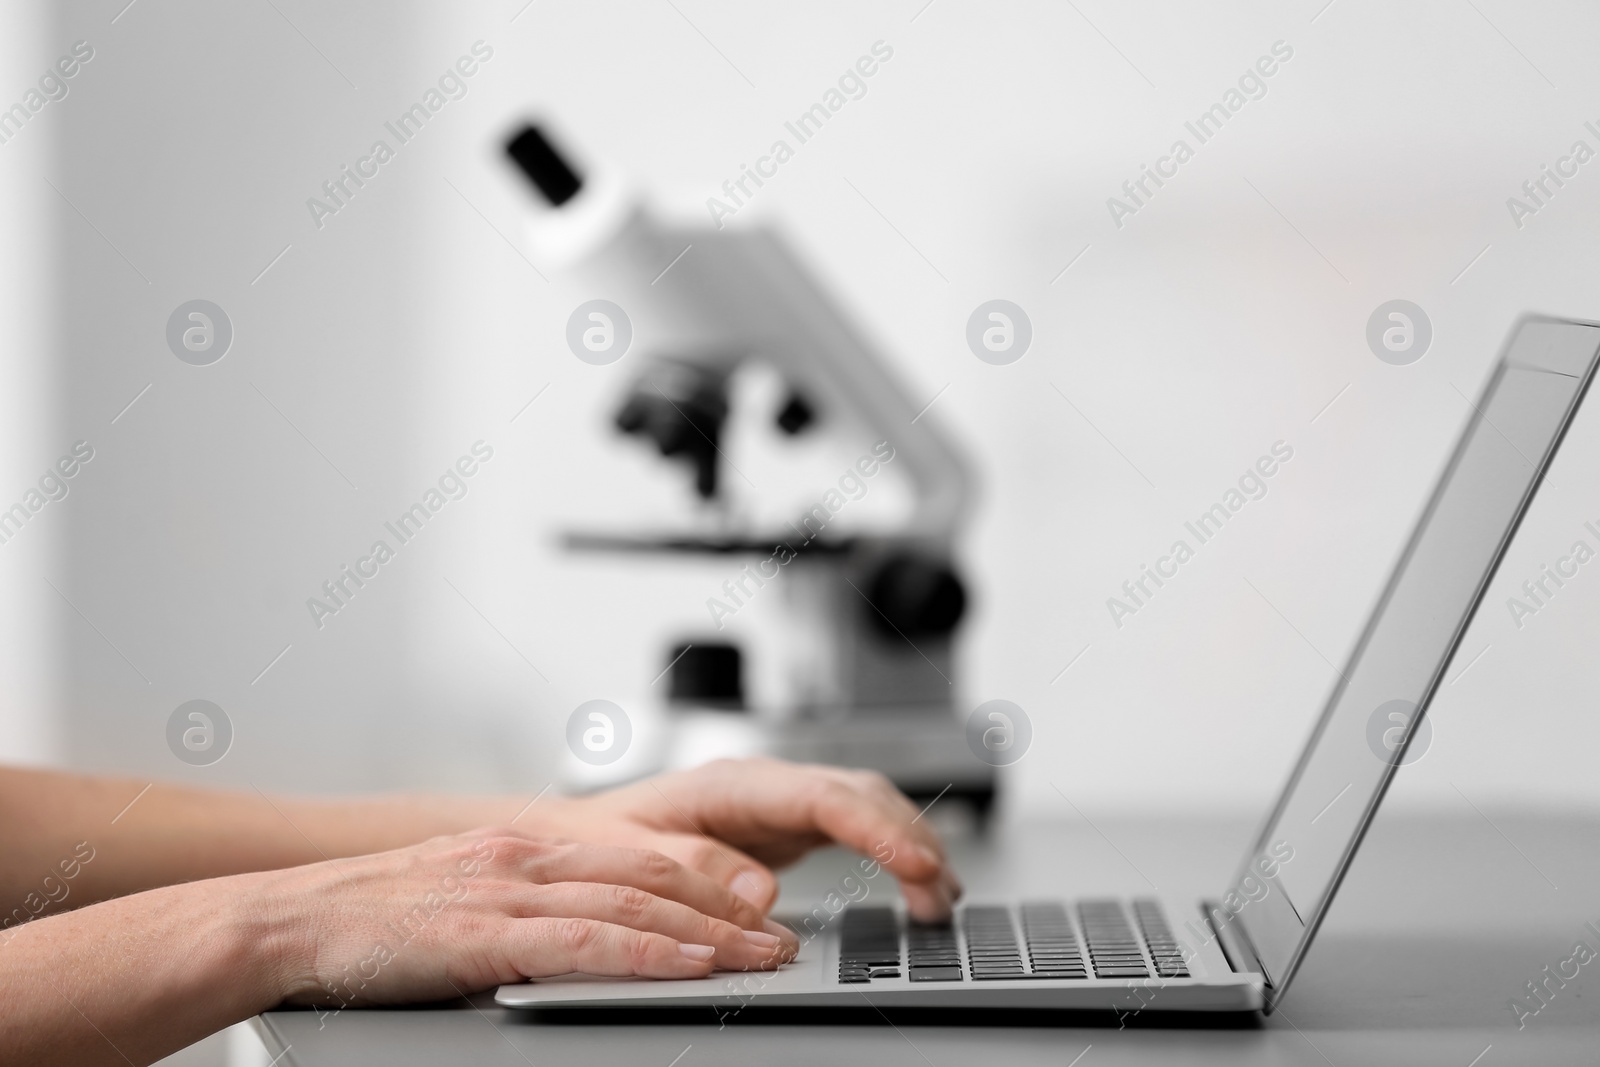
column 1238, row 951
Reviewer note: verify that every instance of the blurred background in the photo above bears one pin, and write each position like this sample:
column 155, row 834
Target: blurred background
column 1172, row 346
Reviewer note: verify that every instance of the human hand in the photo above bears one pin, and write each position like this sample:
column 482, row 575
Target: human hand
column 736, row 820
column 463, row 913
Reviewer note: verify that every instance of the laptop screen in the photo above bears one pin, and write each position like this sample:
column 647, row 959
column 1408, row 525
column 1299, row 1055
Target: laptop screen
column 1378, row 699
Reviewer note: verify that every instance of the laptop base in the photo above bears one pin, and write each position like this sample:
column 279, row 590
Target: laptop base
column 1092, row 955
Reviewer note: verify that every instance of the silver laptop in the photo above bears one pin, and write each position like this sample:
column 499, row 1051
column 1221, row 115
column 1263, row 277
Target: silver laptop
column 1239, row 951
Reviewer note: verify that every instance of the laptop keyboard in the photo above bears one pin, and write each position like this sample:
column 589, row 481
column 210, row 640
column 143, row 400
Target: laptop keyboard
column 1165, row 952
column 984, row 944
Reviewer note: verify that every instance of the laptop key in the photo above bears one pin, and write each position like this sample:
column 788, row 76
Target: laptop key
column 936, row 974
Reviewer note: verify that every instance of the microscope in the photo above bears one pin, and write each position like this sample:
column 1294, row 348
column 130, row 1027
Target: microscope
column 870, row 618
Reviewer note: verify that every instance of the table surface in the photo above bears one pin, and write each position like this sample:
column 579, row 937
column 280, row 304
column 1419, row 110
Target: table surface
column 1441, row 922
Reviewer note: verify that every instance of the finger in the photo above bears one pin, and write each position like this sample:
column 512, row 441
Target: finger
column 736, row 948
column 858, row 808
column 644, row 869
column 862, row 820
column 927, row 903
column 896, row 806
column 544, row 947
column 868, row 813
column 739, row 872
column 780, row 811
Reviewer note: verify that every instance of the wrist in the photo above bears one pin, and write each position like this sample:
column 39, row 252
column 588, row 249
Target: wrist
column 265, row 935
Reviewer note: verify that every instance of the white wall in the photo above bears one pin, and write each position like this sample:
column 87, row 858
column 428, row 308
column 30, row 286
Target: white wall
column 1219, row 319
column 30, row 435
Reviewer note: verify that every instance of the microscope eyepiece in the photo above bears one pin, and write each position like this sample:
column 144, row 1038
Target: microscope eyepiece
column 533, row 153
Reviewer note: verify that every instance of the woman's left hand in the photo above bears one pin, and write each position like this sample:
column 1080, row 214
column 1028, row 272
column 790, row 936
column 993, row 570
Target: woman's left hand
column 737, row 820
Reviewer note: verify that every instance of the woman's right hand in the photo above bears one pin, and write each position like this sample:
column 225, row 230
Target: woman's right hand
column 135, row 978
column 460, row 914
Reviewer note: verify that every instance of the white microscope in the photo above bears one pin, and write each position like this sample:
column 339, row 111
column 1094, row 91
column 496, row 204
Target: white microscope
column 872, row 618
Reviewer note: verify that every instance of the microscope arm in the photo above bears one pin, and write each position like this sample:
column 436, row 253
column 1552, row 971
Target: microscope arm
column 713, row 299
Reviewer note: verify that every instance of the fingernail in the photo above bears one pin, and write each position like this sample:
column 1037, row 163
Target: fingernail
column 789, row 939
column 697, row 952
column 761, row 939
column 750, row 888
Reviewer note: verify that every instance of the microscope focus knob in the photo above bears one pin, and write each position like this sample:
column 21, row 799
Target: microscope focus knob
column 796, row 415
column 916, row 596
column 681, row 409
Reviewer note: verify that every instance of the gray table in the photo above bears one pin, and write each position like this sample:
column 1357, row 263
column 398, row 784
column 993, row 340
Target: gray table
column 1441, row 922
